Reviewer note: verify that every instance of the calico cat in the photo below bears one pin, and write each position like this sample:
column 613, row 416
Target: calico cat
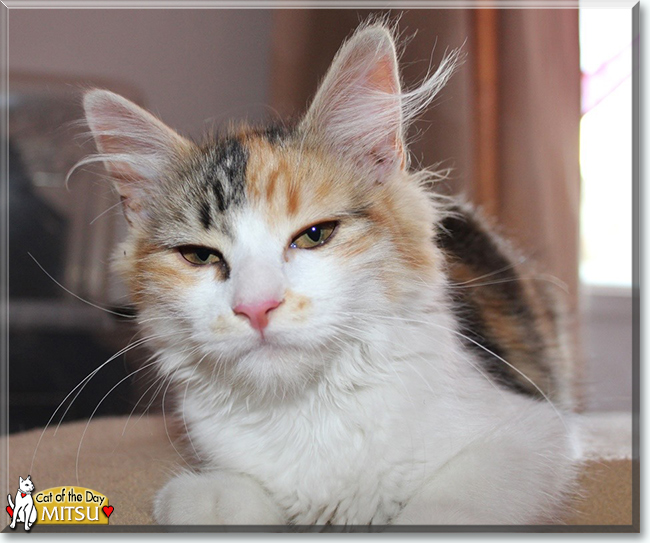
column 350, row 348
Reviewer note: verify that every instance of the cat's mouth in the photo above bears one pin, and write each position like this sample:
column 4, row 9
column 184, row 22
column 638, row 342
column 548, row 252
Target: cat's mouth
column 233, row 342
column 271, row 344
column 267, row 341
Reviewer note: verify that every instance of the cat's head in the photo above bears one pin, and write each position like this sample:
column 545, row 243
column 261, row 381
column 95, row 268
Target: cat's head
column 264, row 252
column 26, row 485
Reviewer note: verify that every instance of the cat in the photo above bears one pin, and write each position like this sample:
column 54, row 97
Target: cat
column 349, row 348
column 23, row 509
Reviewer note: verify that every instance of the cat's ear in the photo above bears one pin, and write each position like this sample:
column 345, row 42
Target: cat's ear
column 358, row 108
column 21, row 479
column 136, row 147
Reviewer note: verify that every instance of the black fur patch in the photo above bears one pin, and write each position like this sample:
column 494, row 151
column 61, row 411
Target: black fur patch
column 205, row 214
column 468, row 245
column 464, row 238
column 473, row 327
column 277, row 133
column 226, row 173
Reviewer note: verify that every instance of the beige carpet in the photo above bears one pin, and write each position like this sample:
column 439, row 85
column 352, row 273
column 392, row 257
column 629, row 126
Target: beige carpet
column 128, row 463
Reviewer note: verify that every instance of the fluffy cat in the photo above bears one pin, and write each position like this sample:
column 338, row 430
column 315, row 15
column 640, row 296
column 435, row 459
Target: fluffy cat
column 342, row 354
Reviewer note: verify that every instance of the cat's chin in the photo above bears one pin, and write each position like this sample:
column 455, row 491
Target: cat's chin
column 278, row 343
column 272, row 365
column 275, row 350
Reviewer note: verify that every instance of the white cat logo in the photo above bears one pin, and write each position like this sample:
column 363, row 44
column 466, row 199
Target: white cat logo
column 23, row 510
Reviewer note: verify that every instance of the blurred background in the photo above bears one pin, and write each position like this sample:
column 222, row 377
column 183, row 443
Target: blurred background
column 536, row 127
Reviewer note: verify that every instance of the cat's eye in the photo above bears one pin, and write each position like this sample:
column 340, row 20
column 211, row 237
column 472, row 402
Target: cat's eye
column 200, row 256
column 314, row 236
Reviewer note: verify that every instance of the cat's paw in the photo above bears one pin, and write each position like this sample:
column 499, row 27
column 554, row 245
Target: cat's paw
column 215, row 498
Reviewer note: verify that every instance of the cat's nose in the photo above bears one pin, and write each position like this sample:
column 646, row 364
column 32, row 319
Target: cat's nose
column 257, row 313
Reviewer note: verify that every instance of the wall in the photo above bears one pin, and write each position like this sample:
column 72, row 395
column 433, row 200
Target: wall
column 189, row 65
column 606, row 319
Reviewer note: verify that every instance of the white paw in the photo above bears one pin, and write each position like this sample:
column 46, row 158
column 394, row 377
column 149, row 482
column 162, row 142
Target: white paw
column 216, row 498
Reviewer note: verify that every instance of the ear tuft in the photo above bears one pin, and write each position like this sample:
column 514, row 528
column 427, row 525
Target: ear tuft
column 360, row 110
column 357, row 107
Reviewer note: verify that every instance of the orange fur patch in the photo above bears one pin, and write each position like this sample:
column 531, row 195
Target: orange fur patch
column 285, row 183
column 296, row 303
column 155, row 272
column 295, row 188
column 221, row 326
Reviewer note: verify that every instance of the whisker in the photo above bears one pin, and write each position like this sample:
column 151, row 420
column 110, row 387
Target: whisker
column 495, row 272
column 81, row 383
column 540, row 277
column 142, row 396
column 147, row 390
column 187, row 386
column 92, row 374
column 75, row 295
column 514, row 368
column 93, row 414
column 145, row 411
column 88, row 378
column 155, row 381
column 218, row 367
column 171, row 379
column 104, row 212
column 468, row 359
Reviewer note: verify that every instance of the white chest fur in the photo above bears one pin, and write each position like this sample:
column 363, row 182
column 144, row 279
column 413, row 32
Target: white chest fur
column 357, row 457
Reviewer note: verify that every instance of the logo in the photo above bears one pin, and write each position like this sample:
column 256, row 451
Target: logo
column 23, row 510
column 60, row 505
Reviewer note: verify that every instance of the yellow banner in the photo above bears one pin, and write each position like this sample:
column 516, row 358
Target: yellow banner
column 71, row 505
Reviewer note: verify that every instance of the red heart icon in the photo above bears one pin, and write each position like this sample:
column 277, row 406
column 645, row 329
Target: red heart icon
column 108, row 510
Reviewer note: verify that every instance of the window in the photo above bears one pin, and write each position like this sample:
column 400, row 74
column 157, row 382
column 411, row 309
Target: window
column 606, row 147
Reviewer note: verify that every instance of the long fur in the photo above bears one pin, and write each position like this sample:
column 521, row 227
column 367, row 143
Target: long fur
column 367, row 399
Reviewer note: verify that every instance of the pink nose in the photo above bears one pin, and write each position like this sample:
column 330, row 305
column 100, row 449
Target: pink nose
column 257, row 313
